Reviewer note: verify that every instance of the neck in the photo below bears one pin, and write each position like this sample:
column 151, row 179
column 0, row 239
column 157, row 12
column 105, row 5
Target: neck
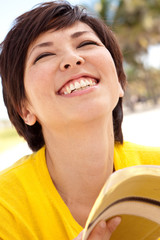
column 80, row 161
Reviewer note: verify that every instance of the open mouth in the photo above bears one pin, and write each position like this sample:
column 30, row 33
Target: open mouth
column 78, row 85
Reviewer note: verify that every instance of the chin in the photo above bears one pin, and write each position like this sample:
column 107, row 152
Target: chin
column 92, row 113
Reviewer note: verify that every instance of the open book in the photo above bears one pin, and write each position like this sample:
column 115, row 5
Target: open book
column 134, row 194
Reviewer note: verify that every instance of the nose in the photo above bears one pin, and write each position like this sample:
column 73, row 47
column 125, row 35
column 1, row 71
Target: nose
column 71, row 61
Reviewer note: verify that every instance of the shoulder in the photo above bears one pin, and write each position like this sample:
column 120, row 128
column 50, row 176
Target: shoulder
column 129, row 154
column 132, row 147
column 20, row 193
column 20, row 170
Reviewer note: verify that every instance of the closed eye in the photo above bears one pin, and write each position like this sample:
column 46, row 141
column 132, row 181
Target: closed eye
column 85, row 43
column 43, row 55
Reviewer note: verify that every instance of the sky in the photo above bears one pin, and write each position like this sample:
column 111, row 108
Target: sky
column 10, row 9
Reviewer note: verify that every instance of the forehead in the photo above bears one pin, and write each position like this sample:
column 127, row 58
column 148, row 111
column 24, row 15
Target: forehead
column 67, row 31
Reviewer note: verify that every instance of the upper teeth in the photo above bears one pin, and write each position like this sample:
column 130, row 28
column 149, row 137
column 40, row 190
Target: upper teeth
column 78, row 84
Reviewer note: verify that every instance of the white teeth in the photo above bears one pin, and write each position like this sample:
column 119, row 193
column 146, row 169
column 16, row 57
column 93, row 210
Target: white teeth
column 68, row 90
column 82, row 83
column 72, row 87
column 77, row 85
column 88, row 83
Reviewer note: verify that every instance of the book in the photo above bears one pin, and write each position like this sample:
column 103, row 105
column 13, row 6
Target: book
column 132, row 193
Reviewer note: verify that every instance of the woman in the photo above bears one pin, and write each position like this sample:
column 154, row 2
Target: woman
column 63, row 84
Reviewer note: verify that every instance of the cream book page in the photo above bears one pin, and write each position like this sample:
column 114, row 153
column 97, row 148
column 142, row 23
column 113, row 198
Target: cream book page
column 134, row 194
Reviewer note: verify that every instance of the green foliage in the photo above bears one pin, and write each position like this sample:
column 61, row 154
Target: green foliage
column 137, row 26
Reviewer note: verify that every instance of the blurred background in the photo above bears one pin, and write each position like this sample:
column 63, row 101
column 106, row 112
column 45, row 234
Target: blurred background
column 136, row 25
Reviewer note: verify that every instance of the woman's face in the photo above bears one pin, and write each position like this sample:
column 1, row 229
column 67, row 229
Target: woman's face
column 69, row 78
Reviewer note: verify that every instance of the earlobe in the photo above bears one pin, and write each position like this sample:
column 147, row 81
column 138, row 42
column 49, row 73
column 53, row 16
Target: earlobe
column 28, row 117
column 121, row 92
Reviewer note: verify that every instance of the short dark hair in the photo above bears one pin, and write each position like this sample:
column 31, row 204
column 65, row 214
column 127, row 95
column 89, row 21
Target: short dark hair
column 27, row 27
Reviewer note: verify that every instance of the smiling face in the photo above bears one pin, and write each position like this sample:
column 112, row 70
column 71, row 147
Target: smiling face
column 69, row 78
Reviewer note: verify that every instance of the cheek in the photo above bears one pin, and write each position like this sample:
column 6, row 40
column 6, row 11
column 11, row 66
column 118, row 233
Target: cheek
column 39, row 78
column 107, row 68
column 42, row 73
column 103, row 61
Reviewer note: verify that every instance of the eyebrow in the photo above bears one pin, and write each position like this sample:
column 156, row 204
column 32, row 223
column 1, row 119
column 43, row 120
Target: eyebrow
column 41, row 45
column 78, row 34
column 48, row 44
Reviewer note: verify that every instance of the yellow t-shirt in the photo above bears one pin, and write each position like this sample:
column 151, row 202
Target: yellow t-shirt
column 131, row 154
column 30, row 206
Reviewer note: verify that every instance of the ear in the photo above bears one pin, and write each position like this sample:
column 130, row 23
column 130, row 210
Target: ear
column 121, row 92
column 26, row 114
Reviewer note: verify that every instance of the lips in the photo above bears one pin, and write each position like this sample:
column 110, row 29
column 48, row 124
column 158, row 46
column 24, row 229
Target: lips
column 78, row 84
